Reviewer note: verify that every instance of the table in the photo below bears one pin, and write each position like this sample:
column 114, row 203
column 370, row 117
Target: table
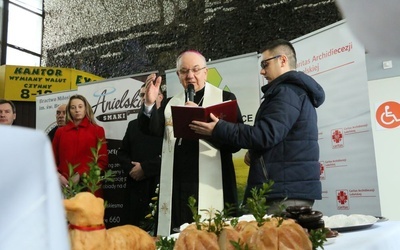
column 382, row 235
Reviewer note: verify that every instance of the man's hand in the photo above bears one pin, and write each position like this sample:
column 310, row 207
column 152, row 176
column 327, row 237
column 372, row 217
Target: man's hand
column 204, row 128
column 136, row 172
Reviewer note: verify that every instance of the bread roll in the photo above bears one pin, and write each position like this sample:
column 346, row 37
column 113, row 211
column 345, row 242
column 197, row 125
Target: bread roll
column 193, row 239
column 277, row 233
column 227, row 235
column 274, row 234
column 247, row 229
column 292, row 236
column 266, row 238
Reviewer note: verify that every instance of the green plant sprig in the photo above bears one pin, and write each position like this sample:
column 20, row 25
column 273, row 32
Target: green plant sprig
column 238, row 246
column 90, row 180
column 193, row 209
column 318, row 237
column 216, row 219
column 165, row 243
column 73, row 187
column 257, row 205
column 93, row 179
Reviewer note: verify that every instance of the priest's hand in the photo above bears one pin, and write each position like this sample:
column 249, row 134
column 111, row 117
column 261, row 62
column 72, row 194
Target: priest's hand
column 153, row 83
column 189, row 103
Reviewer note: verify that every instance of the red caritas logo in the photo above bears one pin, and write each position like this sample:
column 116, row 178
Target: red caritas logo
column 321, row 171
column 342, row 199
column 337, row 138
column 387, row 115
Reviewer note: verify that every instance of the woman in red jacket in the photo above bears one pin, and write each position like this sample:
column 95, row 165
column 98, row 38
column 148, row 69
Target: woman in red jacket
column 72, row 143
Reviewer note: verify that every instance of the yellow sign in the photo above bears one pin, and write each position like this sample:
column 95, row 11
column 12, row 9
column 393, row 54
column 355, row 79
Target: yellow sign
column 23, row 83
column 79, row 77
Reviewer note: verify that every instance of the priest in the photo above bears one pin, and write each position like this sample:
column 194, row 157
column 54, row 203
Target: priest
column 190, row 167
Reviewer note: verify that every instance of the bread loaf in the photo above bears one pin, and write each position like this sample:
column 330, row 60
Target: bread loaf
column 227, row 236
column 193, row 239
column 266, row 238
column 247, row 229
column 293, row 236
column 274, row 234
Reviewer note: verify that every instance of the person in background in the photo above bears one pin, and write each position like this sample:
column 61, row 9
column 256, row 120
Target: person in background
column 140, row 157
column 72, row 143
column 283, row 142
column 8, row 112
column 185, row 157
column 60, row 120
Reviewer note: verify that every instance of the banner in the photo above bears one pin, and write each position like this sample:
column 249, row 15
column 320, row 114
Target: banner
column 46, row 108
column 23, row 83
column 385, row 117
column 336, row 60
column 115, row 103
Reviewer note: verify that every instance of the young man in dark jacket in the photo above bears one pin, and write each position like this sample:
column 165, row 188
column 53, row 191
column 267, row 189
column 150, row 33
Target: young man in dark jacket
column 283, row 142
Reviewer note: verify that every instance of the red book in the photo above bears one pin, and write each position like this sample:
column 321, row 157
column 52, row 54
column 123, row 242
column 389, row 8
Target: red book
column 182, row 116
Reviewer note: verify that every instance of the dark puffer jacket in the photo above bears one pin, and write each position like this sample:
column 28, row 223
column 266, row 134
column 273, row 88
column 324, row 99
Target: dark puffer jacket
column 283, row 142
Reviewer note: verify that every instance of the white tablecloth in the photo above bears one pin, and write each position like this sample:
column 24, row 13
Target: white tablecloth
column 31, row 211
column 382, row 235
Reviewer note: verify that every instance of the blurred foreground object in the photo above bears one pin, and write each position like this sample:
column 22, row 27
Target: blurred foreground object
column 32, row 216
column 379, row 34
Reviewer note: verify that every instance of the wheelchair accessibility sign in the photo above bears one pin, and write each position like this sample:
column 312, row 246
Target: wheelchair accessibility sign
column 387, row 115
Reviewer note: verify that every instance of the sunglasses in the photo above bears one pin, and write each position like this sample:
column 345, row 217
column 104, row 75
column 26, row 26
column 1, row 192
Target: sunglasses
column 264, row 63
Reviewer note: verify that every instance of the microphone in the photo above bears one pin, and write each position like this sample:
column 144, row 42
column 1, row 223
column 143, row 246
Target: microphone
column 190, row 92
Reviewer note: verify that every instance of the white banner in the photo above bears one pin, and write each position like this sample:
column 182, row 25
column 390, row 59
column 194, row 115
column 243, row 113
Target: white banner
column 385, row 104
column 46, row 108
column 115, row 103
column 335, row 59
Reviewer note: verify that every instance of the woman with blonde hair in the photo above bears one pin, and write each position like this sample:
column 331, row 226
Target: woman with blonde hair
column 73, row 143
